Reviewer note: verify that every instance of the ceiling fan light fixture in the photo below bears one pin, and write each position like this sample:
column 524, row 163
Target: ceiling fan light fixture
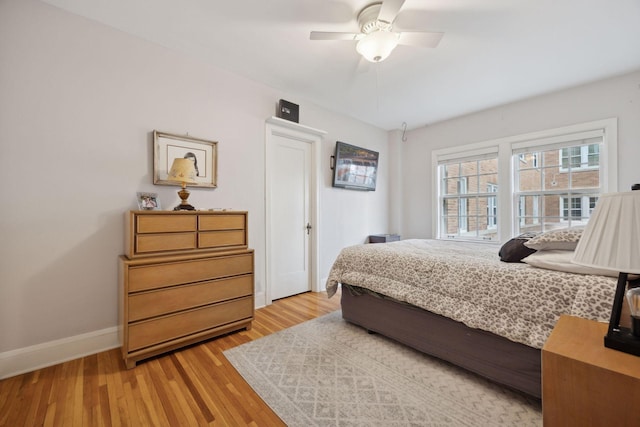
column 377, row 45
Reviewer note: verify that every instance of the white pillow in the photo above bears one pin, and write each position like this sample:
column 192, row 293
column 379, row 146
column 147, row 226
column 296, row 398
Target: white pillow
column 564, row 238
column 560, row 260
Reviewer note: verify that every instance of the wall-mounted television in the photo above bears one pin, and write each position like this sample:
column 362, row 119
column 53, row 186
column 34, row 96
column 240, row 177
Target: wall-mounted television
column 355, row 168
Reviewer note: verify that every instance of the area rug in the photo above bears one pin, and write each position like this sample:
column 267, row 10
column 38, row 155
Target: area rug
column 328, row 372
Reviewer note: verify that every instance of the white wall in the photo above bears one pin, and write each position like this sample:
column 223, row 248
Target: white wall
column 348, row 217
column 78, row 103
column 617, row 97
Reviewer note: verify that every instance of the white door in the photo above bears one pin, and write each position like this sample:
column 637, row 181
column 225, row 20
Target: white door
column 289, row 173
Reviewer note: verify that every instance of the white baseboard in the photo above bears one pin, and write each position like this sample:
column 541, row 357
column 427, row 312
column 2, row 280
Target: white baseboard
column 259, row 300
column 38, row 356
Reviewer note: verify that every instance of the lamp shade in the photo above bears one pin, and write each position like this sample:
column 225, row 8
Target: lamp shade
column 376, row 46
column 611, row 239
column 182, row 170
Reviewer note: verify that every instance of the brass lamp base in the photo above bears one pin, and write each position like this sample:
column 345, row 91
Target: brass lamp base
column 186, row 207
column 184, row 195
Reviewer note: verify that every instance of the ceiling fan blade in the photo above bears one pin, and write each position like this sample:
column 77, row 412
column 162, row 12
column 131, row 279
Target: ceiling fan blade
column 420, row 38
column 325, row 35
column 389, row 10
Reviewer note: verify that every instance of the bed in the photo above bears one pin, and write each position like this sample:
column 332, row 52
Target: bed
column 461, row 303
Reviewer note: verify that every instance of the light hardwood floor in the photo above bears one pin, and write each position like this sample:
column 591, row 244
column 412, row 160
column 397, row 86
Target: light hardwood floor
column 190, row 387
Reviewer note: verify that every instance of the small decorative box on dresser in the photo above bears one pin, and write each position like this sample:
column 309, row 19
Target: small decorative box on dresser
column 585, row 383
column 186, row 276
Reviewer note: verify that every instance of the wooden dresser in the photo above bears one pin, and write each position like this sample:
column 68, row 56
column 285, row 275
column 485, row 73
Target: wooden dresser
column 185, row 277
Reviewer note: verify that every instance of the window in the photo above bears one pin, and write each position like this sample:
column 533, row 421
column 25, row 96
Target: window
column 469, row 206
column 535, row 182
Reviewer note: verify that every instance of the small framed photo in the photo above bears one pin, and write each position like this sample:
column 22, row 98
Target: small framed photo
column 203, row 153
column 148, row 201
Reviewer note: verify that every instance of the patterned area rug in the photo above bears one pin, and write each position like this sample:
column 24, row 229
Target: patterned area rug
column 327, row 372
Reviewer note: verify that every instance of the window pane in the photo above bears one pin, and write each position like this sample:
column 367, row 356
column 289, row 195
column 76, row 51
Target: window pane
column 472, row 185
column 450, row 207
column 530, row 214
column 529, row 207
column 529, row 179
column 452, row 226
column 469, row 168
column 452, row 170
column 489, row 183
column 594, row 155
column 488, row 166
column 571, row 157
column 555, row 180
column 451, row 185
column 551, row 158
column 551, row 209
column 531, row 228
column 585, row 178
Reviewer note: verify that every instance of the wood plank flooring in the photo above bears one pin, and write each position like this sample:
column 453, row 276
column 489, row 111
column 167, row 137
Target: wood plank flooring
column 195, row 386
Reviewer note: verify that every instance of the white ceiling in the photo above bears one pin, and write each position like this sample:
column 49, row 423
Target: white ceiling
column 493, row 51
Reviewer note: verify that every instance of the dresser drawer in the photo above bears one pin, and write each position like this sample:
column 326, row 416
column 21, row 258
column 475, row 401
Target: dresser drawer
column 159, row 330
column 155, row 233
column 221, row 222
column 155, row 303
column 214, row 239
column 161, row 275
column 165, row 223
column 149, row 243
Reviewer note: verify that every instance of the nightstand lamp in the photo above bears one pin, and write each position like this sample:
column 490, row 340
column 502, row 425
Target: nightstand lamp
column 611, row 241
column 184, row 172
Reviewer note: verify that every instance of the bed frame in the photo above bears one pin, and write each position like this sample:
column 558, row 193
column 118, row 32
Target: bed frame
column 512, row 364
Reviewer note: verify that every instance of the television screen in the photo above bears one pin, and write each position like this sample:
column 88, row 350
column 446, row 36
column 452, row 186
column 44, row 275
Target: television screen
column 355, row 168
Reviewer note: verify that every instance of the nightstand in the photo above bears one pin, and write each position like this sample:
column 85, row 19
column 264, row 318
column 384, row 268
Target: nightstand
column 383, row 238
column 583, row 382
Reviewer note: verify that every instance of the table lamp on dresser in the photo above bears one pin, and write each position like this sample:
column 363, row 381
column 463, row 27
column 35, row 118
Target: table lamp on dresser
column 611, row 241
column 184, row 172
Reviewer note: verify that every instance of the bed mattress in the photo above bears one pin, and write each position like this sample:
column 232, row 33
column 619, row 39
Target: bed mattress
column 468, row 283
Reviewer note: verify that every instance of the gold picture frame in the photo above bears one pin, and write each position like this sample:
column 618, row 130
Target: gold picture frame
column 204, row 153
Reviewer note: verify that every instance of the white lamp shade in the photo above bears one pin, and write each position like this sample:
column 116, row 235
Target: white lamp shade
column 611, row 239
column 376, row 46
column 182, row 170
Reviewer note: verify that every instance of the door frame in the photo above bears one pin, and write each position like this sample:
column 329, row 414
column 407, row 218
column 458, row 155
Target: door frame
column 287, row 129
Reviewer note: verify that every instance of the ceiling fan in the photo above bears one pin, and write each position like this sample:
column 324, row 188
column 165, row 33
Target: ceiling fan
column 376, row 39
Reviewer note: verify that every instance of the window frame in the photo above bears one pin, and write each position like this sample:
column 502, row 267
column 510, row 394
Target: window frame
column 504, row 147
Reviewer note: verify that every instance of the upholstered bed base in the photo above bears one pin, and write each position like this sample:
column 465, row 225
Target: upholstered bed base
column 506, row 362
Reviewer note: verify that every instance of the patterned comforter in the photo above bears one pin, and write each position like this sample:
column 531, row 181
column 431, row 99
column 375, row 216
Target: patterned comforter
column 467, row 282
